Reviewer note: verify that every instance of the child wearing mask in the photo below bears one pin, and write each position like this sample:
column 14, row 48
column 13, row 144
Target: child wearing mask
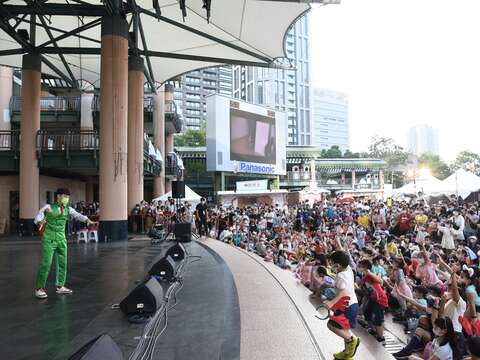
column 344, row 287
column 377, row 302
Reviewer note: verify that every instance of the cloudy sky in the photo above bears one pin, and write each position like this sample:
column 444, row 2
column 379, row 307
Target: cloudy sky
column 402, row 63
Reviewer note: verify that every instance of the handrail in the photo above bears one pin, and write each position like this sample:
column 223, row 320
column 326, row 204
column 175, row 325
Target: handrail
column 66, row 140
column 148, row 104
column 9, row 140
column 50, row 103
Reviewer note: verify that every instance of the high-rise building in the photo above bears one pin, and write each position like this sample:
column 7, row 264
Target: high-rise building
column 330, row 119
column 422, row 139
column 194, row 86
column 286, row 90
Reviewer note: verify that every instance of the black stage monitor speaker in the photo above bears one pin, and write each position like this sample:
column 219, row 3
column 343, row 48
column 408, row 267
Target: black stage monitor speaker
column 178, row 189
column 183, row 232
column 145, row 299
column 164, row 269
column 101, row 348
column 177, row 252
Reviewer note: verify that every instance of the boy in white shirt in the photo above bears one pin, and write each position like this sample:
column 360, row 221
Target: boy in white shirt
column 344, row 286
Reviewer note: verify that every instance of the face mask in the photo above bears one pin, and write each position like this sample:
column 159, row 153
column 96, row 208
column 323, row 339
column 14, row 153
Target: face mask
column 437, row 332
column 64, row 200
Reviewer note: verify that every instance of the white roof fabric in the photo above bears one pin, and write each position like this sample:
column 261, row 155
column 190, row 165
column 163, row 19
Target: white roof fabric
column 190, row 196
column 426, row 184
column 257, row 26
column 462, row 182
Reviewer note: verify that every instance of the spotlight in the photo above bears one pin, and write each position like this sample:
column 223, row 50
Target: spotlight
column 156, row 6
column 207, row 5
column 183, row 8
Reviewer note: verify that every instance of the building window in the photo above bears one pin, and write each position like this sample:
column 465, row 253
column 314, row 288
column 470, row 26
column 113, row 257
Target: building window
column 259, row 92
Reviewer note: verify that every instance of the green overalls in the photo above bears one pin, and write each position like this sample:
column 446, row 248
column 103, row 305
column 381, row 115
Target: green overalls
column 54, row 243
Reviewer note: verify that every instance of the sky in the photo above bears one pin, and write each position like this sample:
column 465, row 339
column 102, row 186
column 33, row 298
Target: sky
column 403, row 63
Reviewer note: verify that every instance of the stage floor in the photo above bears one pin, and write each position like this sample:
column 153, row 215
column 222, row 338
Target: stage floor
column 233, row 306
column 203, row 325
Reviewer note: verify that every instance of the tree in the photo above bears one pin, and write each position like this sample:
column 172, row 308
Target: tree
column 437, row 167
column 332, row 153
column 468, row 161
column 394, row 155
column 192, row 137
column 351, row 155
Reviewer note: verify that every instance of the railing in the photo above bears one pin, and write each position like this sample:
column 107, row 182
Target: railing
column 9, row 140
column 66, row 140
column 50, row 103
column 172, row 167
column 171, row 109
column 147, row 104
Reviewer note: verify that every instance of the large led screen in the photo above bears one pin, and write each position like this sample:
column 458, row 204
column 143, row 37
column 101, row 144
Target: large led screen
column 252, row 137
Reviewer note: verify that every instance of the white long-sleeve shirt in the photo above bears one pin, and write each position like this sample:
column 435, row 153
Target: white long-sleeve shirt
column 73, row 213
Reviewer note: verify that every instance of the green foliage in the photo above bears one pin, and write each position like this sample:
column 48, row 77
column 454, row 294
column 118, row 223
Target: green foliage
column 394, row 155
column 437, row 167
column 468, row 161
column 192, row 138
column 332, row 153
column 196, row 166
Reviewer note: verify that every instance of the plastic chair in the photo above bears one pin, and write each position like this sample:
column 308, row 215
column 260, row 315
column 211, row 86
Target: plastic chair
column 93, row 236
column 82, row 235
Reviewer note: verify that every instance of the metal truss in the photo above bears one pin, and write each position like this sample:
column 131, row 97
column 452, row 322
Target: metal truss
column 36, row 14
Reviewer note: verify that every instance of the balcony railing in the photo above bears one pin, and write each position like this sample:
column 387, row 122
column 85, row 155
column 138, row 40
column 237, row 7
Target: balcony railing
column 66, row 140
column 54, row 104
column 147, row 104
column 173, row 165
column 9, row 140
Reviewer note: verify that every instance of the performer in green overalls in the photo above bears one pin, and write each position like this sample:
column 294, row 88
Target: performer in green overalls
column 54, row 242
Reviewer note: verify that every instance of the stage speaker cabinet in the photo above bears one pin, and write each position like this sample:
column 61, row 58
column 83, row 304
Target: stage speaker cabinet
column 145, row 299
column 176, row 252
column 183, row 232
column 101, row 348
column 178, row 189
column 164, row 269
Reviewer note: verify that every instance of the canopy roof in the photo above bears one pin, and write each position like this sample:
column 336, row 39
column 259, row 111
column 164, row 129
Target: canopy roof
column 249, row 32
column 426, row 184
column 461, row 182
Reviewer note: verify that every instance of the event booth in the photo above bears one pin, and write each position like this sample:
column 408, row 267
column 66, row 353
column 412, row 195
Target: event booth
column 246, row 198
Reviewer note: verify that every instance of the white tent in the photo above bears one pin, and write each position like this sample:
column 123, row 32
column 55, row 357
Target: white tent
column 461, row 182
column 426, row 184
column 191, row 196
column 314, row 190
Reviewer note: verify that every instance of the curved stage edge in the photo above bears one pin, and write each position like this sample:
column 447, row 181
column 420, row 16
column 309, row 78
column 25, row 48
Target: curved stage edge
column 278, row 316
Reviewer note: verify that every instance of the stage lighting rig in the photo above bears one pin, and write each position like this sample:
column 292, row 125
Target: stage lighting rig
column 207, row 4
column 156, row 6
column 183, row 7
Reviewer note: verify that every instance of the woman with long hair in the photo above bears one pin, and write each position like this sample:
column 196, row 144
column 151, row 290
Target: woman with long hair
column 443, row 344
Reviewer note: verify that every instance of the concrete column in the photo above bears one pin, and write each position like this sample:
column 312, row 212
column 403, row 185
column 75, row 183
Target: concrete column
column 6, row 86
column 113, row 129
column 159, row 138
column 381, row 179
column 168, row 148
column 135, row 131
column 343, row 179
column 30, row 124
column 353, row 179
column 313, row 174
column 86, row 115
column 168, row 137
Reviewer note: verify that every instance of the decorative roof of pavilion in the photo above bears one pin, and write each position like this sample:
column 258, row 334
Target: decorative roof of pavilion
column 296, row 155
